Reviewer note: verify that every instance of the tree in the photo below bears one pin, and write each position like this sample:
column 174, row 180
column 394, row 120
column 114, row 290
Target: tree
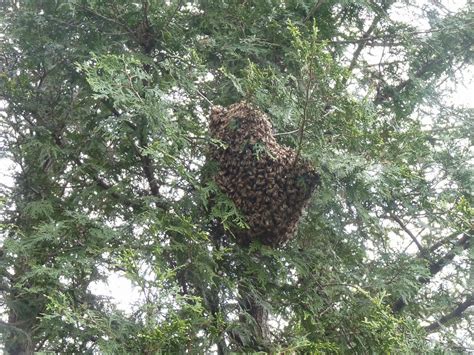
column 104, row 116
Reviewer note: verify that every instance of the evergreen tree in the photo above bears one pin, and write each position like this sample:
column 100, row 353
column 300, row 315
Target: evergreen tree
column 104, row 114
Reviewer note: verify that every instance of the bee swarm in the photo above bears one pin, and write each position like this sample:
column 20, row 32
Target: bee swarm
column 267, row 182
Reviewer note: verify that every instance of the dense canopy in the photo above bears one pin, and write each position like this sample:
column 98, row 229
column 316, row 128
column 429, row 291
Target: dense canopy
column 104, row 118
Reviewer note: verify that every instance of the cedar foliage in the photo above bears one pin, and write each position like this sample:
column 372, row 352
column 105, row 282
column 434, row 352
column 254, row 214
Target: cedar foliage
column 104, row 109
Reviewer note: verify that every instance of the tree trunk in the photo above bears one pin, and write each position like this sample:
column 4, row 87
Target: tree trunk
column 258, row 338
column 18, row 339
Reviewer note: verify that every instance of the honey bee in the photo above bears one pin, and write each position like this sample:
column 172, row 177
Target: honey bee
column 267, row 187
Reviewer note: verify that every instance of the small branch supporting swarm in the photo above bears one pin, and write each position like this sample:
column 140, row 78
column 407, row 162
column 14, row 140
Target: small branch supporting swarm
column 266, row 181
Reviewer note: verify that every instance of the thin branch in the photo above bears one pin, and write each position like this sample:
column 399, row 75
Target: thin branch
column 362, row 44
column 108, row 19
column 286, row 133
column 103, row 184
column 385, row 37
column 313, row 10
column 108, row 104
column 204, row 97
column 147, row 166
column 176, row 10
column 407, row 231
column 303, row 120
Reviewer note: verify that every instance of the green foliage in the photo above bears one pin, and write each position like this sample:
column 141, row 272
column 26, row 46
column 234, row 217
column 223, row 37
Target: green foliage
column 104, row 108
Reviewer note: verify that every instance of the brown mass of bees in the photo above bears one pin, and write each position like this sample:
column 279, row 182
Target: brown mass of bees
column 267, row 181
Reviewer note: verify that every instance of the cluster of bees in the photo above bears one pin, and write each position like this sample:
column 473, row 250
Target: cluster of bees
column 268, row 182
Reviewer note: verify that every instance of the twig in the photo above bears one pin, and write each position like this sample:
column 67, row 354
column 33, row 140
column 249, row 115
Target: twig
column 303, row 120
column 88, row 9
column 286, row 133
column 391, row 36
column 178, row 7
column 204, row 97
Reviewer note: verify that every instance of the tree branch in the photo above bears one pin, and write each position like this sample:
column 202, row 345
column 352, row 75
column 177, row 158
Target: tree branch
column 407, row 231
column 435, row 267
column 149, row 172
column 463, row 244
column 146, row 161
column 445, row 240
column 456, row 313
